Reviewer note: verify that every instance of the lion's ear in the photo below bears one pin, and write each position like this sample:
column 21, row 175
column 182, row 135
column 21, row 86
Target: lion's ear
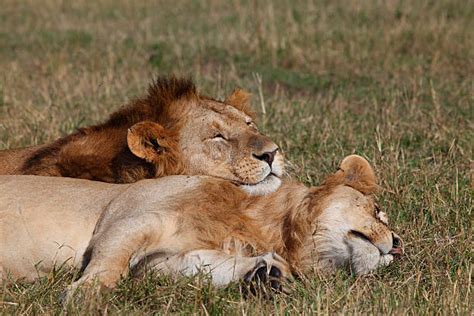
column 147, row 140
column 240, row 99
column 358, row 173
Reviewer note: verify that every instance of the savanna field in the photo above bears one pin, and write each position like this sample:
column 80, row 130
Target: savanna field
column 389, row 80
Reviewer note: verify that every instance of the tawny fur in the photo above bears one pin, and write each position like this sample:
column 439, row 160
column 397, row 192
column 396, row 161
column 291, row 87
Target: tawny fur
column 171, row 223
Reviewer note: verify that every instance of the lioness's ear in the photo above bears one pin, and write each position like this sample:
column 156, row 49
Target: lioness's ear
column 240, row 99
column 358, row 174
column 147, row 140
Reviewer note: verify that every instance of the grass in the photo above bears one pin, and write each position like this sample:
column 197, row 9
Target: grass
column 391, row 80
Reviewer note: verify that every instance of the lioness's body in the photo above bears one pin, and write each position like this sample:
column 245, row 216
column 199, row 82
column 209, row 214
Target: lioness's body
column 177, row 223
column 58, row 228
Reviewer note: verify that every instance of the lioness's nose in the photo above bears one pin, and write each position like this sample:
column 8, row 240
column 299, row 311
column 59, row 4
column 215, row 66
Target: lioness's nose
column 267, row 156
column 397, row 245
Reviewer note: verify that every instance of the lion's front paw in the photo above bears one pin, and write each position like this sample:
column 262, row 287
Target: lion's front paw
column 270, row 270
column 81, row 289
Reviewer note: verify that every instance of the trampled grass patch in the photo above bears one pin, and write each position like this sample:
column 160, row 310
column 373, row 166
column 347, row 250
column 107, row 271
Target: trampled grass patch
column 392, row 81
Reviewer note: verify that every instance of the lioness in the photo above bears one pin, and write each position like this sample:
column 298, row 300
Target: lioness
column 173, row 130
column 183, row 224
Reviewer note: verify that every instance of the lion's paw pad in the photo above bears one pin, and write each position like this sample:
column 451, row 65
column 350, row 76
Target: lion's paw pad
column 266, row 273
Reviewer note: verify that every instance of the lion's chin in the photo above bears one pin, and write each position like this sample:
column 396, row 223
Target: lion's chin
column 268, row 185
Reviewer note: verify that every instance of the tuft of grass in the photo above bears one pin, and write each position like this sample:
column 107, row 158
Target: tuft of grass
column 391, row 81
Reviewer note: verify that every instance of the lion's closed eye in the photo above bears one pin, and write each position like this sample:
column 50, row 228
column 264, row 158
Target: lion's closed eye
column 219, row 136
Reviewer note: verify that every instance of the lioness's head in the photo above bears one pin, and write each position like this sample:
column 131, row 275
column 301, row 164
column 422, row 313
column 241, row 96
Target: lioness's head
column 197, row 135
column 352, row 230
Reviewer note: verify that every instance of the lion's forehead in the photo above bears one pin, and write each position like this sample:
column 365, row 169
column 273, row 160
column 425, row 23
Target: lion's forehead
column 226, row 111
column 351, row 195
column 362, row 206
column 353, row 200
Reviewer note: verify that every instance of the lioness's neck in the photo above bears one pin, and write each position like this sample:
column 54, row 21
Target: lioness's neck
column 282, row 218
column 288, row 217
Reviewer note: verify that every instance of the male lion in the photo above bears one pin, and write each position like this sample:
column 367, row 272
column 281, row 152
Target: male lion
column 173, row 130
column 183, row 224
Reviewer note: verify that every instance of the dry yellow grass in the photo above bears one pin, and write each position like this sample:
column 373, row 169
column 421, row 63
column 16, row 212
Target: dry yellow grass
column 390, row 80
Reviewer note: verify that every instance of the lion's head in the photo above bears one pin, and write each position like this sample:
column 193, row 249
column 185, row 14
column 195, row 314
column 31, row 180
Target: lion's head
column 351, row 228
column 200, row 135
column 173, row 130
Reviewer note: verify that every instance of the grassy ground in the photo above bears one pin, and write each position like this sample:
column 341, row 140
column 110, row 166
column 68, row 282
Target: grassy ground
column 390, row 80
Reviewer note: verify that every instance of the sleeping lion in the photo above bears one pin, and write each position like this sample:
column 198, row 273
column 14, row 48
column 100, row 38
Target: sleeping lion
column 173, row 130
column 181, row 225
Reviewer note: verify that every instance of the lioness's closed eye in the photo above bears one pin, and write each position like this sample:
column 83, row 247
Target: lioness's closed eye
column 173, row 130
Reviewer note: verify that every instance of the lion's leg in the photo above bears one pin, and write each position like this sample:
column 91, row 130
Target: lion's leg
column 108, row 255
column 221, row 267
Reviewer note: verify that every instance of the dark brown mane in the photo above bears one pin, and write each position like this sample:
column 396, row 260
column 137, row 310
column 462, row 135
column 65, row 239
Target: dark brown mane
column 157, row 105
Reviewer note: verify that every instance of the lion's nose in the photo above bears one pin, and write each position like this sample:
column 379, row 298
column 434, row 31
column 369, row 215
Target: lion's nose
column 268, row 156
column 397, row 245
